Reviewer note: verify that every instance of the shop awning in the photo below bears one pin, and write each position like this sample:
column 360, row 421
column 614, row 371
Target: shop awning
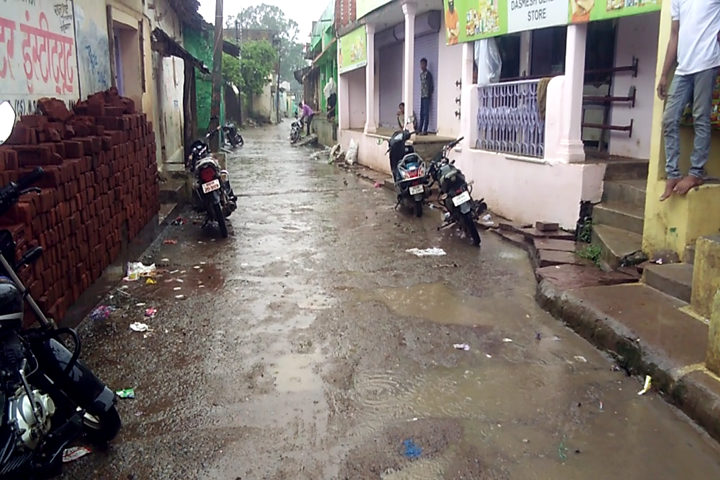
column 167, row 47
column 322, row 54
column 300, row 74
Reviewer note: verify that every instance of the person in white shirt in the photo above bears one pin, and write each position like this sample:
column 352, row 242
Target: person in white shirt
column 694, row 45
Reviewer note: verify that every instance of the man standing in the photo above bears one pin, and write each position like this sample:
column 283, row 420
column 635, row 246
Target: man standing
column 427, row 87
column 694, row 46
column 307, row 115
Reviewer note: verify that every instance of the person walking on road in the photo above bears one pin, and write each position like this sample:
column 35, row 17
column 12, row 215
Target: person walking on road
column 307, row 115
column 427, row 88
column 694, row 46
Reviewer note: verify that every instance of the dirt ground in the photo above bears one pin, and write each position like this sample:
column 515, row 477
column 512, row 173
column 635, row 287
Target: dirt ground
column 311, row 345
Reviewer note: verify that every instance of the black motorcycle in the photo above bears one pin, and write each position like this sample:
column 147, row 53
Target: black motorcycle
column 231, row 136
column 48, row 397
column 211, row 191
column 410, row 173
column 455, row 194
column 295, row 131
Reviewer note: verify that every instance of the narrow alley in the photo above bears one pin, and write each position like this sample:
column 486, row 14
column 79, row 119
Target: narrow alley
column 310, row 345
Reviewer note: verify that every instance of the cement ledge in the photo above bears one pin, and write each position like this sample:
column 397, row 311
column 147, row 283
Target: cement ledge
column 694, row 390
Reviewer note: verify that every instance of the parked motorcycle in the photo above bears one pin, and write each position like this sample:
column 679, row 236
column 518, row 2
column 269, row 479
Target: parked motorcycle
column 48, row 397
column 295, row 131
column 455, row 195
column 409, row 172
column 212, row 189
column 231, row 137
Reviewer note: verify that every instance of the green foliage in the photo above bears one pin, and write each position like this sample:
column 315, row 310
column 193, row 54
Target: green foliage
column 257, row 62
column 231, row 70
column 271, row 17
column 591, row 252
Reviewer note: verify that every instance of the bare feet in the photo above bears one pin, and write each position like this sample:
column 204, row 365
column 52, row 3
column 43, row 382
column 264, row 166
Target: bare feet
column 670, row 185
column 687, row 184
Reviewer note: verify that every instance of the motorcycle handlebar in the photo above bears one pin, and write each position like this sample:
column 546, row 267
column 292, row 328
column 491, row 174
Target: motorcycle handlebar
column 455, row 142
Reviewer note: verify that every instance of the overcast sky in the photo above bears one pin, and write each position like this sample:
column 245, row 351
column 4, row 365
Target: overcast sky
column 303, row 12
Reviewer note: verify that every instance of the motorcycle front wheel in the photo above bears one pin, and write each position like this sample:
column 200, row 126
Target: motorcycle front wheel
column 220, row 218
column 471, row 228
column 102, row 428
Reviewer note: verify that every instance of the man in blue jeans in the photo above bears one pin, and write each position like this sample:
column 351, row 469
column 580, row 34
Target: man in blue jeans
column 694, row 45
column 427, row 88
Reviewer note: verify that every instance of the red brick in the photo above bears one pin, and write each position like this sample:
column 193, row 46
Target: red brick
column 73, row 149
column 34, row 121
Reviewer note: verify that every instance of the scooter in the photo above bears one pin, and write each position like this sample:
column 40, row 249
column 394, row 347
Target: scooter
column 409, row 173
column 455, row 195
column 212, row 190
column 48, row 396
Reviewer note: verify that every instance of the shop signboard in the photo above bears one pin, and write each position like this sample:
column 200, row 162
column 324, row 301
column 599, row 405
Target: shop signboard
column 366, row 6
column 470, row 20
column 352, row 50
column 582, row 11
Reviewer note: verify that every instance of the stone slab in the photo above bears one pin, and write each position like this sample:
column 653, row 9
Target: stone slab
column 546, row 258
column 555, row 244
column 577, row 276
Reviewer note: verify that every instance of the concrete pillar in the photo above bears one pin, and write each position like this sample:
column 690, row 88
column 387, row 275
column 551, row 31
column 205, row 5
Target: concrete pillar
column 469, row 97
column 570, row 146
column 525, row 49
column 712, row 361
column 370, row 124
column 343, row 100
column 409, row 8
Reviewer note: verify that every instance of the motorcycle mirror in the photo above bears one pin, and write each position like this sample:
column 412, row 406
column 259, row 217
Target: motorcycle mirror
column 452, row 162
column 7, row 121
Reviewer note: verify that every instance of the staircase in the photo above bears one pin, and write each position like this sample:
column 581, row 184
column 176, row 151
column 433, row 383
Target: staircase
column 619, row 218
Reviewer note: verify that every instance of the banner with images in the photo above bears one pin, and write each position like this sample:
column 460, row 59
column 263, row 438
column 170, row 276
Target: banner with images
column 363, row 7
column 470, row 20
column 352, row 50
column 582, row 11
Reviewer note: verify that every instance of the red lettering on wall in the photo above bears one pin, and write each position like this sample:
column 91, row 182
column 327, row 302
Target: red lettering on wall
column 47, row 56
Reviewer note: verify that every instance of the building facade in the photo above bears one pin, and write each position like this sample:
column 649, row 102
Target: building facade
column 547, row 97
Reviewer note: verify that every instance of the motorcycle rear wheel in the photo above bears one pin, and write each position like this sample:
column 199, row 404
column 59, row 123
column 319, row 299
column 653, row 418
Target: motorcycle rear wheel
column 220, row 218
column 418, row 209
column 471, row 228
column 102, row 428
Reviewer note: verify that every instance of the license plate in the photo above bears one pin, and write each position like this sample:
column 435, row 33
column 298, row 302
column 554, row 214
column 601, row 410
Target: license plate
column 211, row 186
column 460, row 199
column 417, row 189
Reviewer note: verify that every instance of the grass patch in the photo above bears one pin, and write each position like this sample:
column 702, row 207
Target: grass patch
column 590, row 252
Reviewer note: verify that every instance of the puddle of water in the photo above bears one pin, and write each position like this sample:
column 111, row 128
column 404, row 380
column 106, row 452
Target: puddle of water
column 299, row 321
column 421, row 469
column 432, row 301
column 315, row 302
column 295, row 373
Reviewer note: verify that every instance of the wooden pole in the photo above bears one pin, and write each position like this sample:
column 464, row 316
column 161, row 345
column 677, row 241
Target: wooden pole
column 216, row 75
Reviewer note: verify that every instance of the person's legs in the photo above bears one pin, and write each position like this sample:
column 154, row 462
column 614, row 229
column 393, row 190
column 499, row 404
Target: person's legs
column 678, row 96
column 309, row 121
column 703, row 84
column 424, row 114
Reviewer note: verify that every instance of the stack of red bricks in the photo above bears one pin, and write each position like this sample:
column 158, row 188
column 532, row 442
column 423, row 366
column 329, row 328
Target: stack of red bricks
column 100, row 181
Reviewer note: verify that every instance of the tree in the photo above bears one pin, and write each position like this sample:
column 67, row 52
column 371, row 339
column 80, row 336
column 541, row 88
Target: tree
column 231, row 70
column 271, row 17
column 257, row 59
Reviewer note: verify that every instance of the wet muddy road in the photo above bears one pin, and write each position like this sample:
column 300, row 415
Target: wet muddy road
column 310, row 345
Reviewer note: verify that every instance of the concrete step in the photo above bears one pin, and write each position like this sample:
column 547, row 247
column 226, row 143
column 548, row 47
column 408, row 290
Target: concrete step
column 616, row 244
column 166, row 209
column 625, row 192
column 172, row 191
column 689, row 255
column 619, row 216
column 626, row 169
column 674, row 279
